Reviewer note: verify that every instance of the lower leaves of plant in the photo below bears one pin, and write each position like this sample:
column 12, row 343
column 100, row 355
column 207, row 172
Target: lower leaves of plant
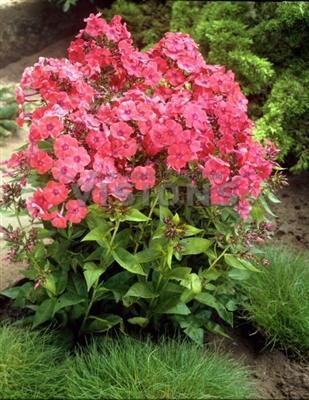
column 148, row 267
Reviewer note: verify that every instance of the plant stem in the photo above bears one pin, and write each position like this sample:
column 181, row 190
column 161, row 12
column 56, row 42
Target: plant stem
column 154, row 203
column 218, row 258
column 96, row 283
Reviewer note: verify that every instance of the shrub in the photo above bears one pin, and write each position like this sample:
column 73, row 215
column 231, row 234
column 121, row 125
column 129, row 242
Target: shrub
column 8, row 111
column 146, row 182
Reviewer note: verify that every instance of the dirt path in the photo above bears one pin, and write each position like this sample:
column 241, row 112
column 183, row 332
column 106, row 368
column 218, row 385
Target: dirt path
column 276, row 376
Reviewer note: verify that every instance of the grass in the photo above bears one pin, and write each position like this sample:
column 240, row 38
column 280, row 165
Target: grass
column 169, row 369
column 29, row 364
column 279, row 300
column 34, row 366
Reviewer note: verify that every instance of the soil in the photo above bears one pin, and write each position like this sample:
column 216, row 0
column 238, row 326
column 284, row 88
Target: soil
column 277, row 376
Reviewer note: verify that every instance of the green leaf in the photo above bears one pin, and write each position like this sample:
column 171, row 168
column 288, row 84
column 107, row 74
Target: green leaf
column 178, row 273
column 44, row 233
column 238, row 274
column 191, row 230
column 216, row 328
column 97, row 233
column 271, row 196
column 104, row 322
column 44, row 312
column 39, row 251
column 66, row 300
column 172, row 306
column 193, row 283
column 123, row 237
column 77, row 284
column 247, row 264
column 7, row 213
column 141, row 321
column 159, row 233
column 196, row 334
column 61, row 279
column 147, row 255
column 257, row 214
column 233, row 261
column 50, row 284
column 211, row 274
column 127, row 261
column 91, row 273
column 12, row 292
column 265, row 205
column 95, row 217
column 194, row 245
column 176, row 219
column 144, row 290
column 135, row 215
column 45, row 146
column 211, row 301
column 165, row 212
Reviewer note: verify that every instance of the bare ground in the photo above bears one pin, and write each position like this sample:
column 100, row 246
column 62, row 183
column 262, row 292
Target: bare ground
column 277, row 376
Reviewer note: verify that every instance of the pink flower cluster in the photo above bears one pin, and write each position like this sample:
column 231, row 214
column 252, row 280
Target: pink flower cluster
column 112, row 117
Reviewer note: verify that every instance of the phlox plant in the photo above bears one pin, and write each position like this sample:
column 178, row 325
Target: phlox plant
column 147, row 191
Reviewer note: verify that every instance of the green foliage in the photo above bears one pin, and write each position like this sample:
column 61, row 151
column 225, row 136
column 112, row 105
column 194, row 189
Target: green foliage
column 36, row 365
column 8, row 111
column 280, row 32
column 285, row 119
column 147, row 21
column 30, row 364
column 221, row 29
column 278, row 300
column 281, row 35
column 65, row 4
column 149, row 266
column 168, row 369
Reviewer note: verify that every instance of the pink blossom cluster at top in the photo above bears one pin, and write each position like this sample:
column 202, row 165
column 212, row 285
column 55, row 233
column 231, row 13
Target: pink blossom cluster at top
column 113, row 117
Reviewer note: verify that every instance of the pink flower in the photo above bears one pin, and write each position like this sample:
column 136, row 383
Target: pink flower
column 120, row 188
column 243, row 208
column 174, row 76
column 55, row 192
column 216, row 170
column 125, row 148
column 77, row 211
column 95, row 25
column 178, row 156
column 194, row 115
column 59, row 221
column 63, row 144
column 77, row 159
column 62, row 172
column 37, row 205
column 143, row 177
column 41, row 162
column 45, row 127
column 121, row 130
column 126, row 111
column 87, row 180
column 151, row 74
